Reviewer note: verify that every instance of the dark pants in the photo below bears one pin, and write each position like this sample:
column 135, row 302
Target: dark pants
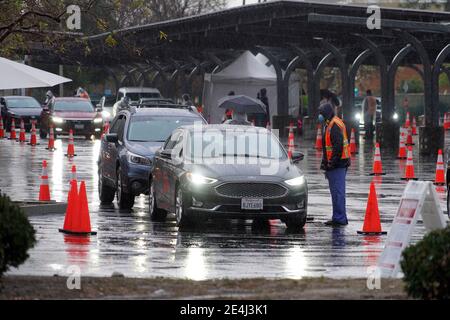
column 336, row 181
column 368, row 126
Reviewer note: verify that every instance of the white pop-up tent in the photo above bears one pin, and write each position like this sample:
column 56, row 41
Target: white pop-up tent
column 247, row 75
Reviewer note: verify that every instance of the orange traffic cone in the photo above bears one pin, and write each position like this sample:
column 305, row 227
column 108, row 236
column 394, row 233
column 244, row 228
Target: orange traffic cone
column 51, row 140
column 372, row 225
column 77, row 220
column 12, row 131
column 407, row 121
column 73, row 176
column 440, row 177
column 409, row 140
column 290, row 143
column 353, row 148
column 70, row 147
column 414, row 127
column 409, row 171
column 446, row 121
column 402, row 147
column 22, row 131
column 44, row 190
column 319, row 138
column 33, row 138
column 2, row 129
column 377, row 166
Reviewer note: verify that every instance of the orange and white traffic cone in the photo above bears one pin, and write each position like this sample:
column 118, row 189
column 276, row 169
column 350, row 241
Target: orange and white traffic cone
column 319, row 145
column 353, row 148
column 2, row 129
column 44, row 190
column 51, row 140
column 73, row 174
column 402, row 147
column 409, row 139
column 439, row 179
column 377, row 166
column 290, row 143
column 446, row 121
column 22, row 131
column 12, row 131
column 372, row 224
column 409, row 170
column 33, row 138
column 70, row 147
column 414, row 127
column 407, row 121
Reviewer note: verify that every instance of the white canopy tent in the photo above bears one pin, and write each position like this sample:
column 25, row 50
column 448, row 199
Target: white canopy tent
column 17, row 75
column 247, row 75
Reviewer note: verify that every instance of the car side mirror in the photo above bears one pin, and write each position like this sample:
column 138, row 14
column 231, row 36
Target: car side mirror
column 166, row 154
column 297, row 157
column 112, row 137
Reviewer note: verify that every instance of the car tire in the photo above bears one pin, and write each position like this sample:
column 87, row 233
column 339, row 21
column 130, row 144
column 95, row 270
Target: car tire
column 105, row 193
column 295, row 221
column 183, row 219
column 156, row 214
column 42, row 133
column 124, row 199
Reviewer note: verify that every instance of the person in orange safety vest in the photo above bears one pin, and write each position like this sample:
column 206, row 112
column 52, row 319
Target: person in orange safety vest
column 335, row 161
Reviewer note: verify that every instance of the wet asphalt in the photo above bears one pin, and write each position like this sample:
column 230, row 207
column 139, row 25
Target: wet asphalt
column 129, row 243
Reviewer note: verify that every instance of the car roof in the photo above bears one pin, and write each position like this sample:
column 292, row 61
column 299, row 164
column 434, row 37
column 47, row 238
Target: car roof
column 18, row 97
column 163, row 112
column 222, row 127
column 139, row 89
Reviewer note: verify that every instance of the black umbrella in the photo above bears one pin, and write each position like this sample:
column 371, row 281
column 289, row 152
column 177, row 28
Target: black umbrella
column 242, row 104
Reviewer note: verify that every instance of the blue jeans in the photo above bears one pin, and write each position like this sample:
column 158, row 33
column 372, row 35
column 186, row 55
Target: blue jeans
column 336, row 181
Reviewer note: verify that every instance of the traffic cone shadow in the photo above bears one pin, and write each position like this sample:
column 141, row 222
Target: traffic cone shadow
column 372, row 224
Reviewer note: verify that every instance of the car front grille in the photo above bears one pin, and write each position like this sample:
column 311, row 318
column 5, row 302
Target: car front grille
column 251, row 190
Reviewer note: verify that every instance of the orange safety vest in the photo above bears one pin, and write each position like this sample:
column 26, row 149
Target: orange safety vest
column 329, row 147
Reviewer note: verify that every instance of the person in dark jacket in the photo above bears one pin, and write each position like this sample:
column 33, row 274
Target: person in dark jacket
column 264, row 99
column 335, row 161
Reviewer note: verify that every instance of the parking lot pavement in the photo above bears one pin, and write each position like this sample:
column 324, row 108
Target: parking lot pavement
column 129, row 243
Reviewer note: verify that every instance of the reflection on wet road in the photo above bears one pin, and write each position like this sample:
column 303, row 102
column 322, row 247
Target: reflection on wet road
column 129, row 243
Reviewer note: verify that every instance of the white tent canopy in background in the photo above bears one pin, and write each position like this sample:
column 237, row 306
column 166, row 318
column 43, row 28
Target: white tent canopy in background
column 248, row 74
column 15, row 75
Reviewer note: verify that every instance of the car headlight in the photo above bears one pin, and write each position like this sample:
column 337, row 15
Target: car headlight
column 296, row 181
column 395, row 116
column 57, row 120
column 196, row 178
column 137, row 159
column 358, row 116
column 98, row 120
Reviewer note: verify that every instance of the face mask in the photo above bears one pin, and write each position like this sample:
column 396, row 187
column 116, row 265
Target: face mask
column 321, row 118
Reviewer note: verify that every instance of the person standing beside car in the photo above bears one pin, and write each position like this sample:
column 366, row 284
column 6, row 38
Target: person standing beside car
column 335, row 161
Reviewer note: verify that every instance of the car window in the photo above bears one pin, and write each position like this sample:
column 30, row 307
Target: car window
column 156, row 128
column 119, row 96
column 121, row 127
column 74, row 105
column 22, row 103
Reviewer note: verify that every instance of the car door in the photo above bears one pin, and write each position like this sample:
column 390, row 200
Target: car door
column 109, row 155
column 166, row 183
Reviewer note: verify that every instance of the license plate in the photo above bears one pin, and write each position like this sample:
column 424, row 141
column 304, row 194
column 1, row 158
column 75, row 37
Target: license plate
column 251, row 204
column 79, row 126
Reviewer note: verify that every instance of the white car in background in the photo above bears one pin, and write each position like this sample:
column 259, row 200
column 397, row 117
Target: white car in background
column 134, row 94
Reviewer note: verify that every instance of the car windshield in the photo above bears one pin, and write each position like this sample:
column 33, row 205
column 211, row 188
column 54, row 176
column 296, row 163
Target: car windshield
column 136, row 96
column 214, row 143
column 74, row 105
column 156, row 128
column 22, row 103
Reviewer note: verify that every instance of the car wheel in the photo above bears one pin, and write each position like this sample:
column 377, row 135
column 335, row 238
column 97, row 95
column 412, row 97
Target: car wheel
column 42, row 133
column 156, row 214
column 124, row 200
column 106, row 193
column 183, row 219
column 295, row 221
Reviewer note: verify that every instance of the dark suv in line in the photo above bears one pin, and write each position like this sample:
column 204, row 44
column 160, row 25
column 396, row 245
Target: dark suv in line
column 127, row 151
